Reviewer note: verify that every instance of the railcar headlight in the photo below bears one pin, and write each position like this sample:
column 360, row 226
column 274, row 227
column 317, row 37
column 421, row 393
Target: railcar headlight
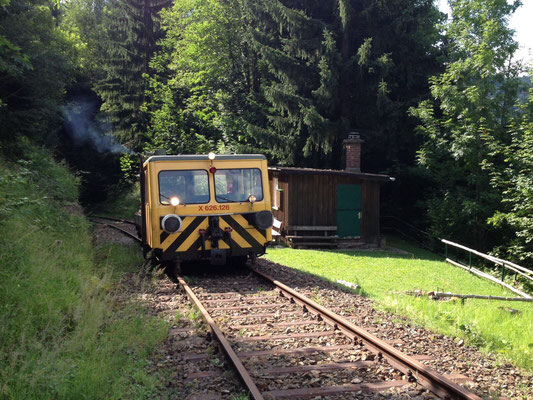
column 263, row 219
column 174, row 201
column 211, row 156
column 252, row 199
column 171, row 223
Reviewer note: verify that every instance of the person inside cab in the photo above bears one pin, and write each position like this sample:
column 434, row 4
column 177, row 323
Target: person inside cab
column 234, row 186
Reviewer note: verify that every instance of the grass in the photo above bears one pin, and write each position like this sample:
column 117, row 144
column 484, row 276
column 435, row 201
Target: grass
column 63, row 333
column 386, row 276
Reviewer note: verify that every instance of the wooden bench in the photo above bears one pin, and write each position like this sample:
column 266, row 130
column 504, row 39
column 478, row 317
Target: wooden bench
column 311, row 236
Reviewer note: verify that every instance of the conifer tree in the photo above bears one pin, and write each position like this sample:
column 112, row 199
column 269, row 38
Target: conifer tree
column 291, row 78
column 299, row 84
column 132, row 34
column 333, row 67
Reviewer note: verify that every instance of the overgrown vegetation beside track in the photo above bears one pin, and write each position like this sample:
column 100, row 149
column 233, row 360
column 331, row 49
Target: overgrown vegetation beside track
column 386, row 276
column 64, row 331
column 124, row 205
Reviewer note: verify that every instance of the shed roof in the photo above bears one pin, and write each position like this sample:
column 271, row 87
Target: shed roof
column 315, row 171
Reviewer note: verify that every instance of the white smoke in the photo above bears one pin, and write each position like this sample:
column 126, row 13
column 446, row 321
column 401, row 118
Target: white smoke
column 82, row 127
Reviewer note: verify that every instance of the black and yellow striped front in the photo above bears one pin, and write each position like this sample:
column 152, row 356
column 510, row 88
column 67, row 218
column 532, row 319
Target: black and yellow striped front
column 237, row 236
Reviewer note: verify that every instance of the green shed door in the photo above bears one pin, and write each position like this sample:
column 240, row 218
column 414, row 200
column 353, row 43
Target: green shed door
column 349, row 210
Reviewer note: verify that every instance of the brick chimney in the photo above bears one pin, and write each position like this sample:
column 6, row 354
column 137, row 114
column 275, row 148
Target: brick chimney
column 353, row 152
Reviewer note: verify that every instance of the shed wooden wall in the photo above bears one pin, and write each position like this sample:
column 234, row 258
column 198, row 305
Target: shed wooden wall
column 311, row 200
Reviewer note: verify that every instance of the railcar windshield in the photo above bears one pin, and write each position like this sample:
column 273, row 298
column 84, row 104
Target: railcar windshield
column 236, row 185
column 190, row 187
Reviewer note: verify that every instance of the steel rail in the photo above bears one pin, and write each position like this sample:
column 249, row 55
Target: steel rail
column 236, row 361
column 416, row 371
column 126, row 221
column 119, row 229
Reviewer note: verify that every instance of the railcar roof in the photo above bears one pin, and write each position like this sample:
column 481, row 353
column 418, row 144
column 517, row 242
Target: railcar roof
column 196, row 157
column 316, row 171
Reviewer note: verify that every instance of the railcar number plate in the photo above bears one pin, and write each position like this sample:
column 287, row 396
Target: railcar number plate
column 216, row 207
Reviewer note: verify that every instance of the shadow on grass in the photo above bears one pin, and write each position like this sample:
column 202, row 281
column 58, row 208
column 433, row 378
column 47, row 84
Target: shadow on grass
column 407, row 252
column 396, row 248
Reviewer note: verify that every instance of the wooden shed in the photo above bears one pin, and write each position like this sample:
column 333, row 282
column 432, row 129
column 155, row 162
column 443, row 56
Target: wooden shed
column 320, row 207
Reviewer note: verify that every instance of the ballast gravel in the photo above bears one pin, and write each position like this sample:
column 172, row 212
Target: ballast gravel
column 278, row 349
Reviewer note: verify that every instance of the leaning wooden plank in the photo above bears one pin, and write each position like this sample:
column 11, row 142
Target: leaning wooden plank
column 518, row 272
column 489, row 277
column 467, row 296
column 512, row 266
column 477, row 253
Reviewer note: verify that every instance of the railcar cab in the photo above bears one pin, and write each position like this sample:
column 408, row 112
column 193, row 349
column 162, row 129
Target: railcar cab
column 205, row 207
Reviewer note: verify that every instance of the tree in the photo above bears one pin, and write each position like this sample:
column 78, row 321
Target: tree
column 291, row 78
column 37, row 63
column 205, row 80
column 339, row 66
column 85, row 20
column 514, row 178
column 299, row 59
column 132, row 31
column 471, row 107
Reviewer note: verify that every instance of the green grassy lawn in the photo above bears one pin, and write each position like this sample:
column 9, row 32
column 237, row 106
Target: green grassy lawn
column 385, row 276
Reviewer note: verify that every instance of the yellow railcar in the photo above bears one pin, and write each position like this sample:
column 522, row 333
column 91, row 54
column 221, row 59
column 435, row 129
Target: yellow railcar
column 205, row 207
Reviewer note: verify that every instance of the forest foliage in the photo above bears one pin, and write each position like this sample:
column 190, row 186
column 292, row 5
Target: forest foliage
column 439, row 100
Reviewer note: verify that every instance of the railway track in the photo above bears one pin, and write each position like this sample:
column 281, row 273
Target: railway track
column 285, row 345
column 113, row 223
